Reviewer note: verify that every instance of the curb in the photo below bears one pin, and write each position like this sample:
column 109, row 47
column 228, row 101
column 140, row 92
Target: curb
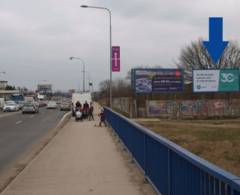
column 15, row 172
column 64, row 120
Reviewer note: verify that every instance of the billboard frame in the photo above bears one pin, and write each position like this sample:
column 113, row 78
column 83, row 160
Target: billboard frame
column 133, row 80
column 238, row 69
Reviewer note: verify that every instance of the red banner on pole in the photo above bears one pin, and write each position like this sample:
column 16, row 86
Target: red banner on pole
column 115, row 58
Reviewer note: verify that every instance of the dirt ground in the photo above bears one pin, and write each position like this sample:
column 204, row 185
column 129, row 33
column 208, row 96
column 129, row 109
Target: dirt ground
column 217, row 141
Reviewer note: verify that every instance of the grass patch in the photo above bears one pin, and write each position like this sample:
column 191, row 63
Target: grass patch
column 217, row 141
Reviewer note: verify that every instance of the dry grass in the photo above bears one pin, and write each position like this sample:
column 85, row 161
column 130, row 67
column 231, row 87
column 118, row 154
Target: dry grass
column 217, row 141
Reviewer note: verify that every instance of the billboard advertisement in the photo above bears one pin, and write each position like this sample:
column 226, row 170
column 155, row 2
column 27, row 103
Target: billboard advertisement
column 157, row 80
column 223, row 80
column 116, row 58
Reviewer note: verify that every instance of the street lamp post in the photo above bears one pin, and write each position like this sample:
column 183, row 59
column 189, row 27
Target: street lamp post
column 83, row 63
column 110, row 54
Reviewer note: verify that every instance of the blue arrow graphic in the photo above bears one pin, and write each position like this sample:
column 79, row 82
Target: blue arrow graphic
column 215, row 45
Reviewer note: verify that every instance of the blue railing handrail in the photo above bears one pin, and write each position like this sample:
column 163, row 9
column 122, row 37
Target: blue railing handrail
column 212, row 169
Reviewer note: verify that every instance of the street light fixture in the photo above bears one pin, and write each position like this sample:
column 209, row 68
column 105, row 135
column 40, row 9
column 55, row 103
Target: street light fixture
column 90, row 83
column 110, row 54
column 83, row 63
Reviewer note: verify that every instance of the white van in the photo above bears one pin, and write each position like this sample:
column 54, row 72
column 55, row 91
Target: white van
column 81, row 97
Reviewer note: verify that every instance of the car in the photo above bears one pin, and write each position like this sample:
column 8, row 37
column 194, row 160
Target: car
column 18, row 99
column 36, row 104
column 30, row 107
column 10, row 106
column 42, row 103
column 20, row 104
column 51, row 105
column 65, row 106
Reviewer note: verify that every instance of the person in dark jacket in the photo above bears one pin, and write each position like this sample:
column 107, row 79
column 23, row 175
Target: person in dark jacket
column 85, row 109
column 90, row 113
column 78, row 105
column 102, row 118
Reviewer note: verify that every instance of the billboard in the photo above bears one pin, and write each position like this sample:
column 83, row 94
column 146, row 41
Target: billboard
column 157, row 80
column 44, row 88
column 223, row 80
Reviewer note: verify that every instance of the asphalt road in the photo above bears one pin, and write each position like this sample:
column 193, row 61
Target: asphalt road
column 18, row 133
column 4, row 114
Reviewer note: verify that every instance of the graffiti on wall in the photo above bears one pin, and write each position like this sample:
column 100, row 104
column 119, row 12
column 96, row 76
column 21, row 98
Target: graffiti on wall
column 182, row 108
column 200, row 108
column 156, row 108
column 218, row 107
column 186, row 108
column 193, row 108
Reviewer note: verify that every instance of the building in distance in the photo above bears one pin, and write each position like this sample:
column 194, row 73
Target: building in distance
column 44, row 89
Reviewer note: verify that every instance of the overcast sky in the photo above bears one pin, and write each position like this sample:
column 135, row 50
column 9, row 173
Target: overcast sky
column 38, row 37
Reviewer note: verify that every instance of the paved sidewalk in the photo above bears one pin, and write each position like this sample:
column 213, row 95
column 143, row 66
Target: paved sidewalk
column 81, row 159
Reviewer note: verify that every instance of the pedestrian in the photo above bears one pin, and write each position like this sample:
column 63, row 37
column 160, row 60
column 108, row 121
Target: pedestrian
column 90, row 113
column 102, row 118
column 78, row 115
column 78, row 106
column 85, row 109
column 73, row 112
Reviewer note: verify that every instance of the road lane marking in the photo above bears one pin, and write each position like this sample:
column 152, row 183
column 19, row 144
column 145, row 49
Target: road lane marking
column 31, row 116
column 18, row 122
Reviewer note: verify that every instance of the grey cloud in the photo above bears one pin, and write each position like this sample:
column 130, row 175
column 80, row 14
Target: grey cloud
column 37, row 37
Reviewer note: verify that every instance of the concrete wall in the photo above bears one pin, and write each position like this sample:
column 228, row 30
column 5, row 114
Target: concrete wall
column 124, row 105
column 193, row 108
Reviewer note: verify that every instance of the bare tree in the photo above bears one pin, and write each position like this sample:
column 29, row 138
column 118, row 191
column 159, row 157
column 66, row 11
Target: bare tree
column 196, row 56
column 120, row 87
column 104, row 88
column 10, row 87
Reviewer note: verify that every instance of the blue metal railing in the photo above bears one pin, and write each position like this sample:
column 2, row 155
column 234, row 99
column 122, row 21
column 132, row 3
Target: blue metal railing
column 171, row 169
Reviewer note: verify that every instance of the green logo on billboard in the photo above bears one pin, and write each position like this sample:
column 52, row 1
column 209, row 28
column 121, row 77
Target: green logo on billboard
column 229, row 80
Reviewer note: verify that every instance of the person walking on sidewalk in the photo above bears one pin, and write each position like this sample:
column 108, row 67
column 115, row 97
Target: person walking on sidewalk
column 102, row 118
column 85, row 109
column 90, row 114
